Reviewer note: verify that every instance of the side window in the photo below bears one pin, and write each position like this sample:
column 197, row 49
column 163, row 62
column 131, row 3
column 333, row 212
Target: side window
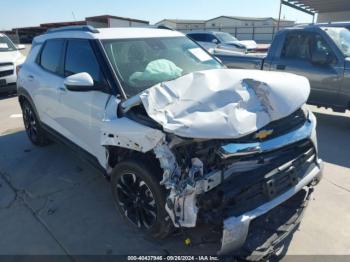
column 320, row 45
column 197, row 37
column 304, row 45
column 50, row 58
column 297, row 45
column 210, row 38
column 80, row 58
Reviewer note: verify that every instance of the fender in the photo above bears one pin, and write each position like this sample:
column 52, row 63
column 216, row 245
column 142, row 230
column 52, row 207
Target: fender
column 23, row 94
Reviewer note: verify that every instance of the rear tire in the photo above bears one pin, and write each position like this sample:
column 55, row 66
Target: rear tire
column 35, row 132
column 140, row 199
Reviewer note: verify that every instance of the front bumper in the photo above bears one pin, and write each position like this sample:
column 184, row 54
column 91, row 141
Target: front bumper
column 236, row 228
column 8, row 75
column 10, row 87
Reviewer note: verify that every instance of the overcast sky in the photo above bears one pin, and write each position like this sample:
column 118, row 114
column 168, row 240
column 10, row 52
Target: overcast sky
column 19, row 13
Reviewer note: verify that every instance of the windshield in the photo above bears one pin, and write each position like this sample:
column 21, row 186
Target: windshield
column 6, row 44
column 341, row 37
column 226, row 37
column 142, row 63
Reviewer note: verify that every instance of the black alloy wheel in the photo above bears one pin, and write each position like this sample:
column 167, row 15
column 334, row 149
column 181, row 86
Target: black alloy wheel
column 32, row 126
column 140, row 198
column 136, row 200
column 30, row 123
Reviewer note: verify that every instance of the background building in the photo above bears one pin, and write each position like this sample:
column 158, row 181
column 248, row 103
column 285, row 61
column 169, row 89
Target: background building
column 326, row 10
column 25, row 35
column 182, row 24
column 260, row 29
column 341, row 16
column 239, row 21
column 114, row 21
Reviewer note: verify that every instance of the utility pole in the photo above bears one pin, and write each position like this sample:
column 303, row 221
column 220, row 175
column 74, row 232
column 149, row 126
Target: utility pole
column 279, row 17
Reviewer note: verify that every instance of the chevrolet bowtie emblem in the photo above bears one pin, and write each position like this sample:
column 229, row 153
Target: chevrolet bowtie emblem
column 263, row 134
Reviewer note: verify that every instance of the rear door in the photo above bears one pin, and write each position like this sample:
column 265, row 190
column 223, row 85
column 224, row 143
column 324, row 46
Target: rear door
column 295, row 57
column 45, row 78
column 82, row 112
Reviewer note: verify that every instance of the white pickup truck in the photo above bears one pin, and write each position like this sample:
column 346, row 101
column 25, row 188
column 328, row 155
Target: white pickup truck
column 10, row 59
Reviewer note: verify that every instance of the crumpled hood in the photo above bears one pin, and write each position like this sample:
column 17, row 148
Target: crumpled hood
column 224, row 103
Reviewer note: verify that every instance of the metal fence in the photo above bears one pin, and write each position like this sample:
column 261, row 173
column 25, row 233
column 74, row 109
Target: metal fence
column 260, row 34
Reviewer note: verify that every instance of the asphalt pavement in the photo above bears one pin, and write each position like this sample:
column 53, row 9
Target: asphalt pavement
column 52, row 202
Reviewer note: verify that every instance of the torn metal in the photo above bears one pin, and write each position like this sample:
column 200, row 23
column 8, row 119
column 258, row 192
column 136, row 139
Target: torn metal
column 129, row 134
column 184, row 185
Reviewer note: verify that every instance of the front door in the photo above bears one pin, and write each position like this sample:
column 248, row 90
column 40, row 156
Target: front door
column 83, row 112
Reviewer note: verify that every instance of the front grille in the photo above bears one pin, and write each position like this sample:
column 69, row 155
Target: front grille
column 279, row 127
column 6, row 73
column 6, row 64
column 246, row 188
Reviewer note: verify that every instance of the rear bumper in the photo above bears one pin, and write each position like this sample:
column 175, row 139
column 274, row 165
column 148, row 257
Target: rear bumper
column 235, row 230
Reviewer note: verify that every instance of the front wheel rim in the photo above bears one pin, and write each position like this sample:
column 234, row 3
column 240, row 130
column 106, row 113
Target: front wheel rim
column 30, row 123
column 136, row 200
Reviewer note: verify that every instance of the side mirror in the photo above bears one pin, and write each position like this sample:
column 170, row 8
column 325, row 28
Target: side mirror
column 320, row 58
column 215, row 41
column 81, row 82
column 21, row 47
column 345, row 47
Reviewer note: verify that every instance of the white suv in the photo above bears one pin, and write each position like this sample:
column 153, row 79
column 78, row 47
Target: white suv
column 184, row 140
column 10, row 59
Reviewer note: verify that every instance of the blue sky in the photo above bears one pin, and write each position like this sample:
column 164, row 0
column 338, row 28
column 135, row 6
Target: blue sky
column 20, row 13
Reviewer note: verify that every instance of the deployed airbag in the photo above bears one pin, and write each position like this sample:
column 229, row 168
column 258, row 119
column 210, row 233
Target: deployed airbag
column 156, row 71
column 224, row 103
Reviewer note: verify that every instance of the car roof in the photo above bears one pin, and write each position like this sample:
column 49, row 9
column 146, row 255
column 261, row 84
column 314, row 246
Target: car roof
column 317, row 26
column 203, row 32
column 107, row 33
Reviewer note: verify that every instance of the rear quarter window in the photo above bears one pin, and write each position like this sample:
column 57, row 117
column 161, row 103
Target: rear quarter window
column 51, row 55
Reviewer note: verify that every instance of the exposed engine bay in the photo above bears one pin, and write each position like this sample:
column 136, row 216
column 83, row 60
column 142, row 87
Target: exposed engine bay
column 208, row 183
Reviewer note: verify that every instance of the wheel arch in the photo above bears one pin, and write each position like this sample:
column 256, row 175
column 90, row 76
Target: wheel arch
column 119, row 154
column 24, row 96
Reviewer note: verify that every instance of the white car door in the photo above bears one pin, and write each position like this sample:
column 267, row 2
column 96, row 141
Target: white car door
column 44, row 78
column 82, row 112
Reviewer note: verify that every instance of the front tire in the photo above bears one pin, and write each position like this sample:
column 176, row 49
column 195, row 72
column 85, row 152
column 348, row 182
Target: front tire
column 32, row 126
column 140, row 199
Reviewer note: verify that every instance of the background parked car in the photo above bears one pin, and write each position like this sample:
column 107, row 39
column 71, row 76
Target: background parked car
column 224, row 42
column 10, row 59
column 319, row 52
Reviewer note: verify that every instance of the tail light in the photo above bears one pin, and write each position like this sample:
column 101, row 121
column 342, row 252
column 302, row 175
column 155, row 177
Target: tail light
column 18, row 67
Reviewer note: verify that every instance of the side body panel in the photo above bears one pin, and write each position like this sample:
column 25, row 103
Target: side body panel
column 344, row 96
column 242, row 61
column 325, row 80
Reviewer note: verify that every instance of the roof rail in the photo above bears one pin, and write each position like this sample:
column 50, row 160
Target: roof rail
column 83, row 28
column 164, row 27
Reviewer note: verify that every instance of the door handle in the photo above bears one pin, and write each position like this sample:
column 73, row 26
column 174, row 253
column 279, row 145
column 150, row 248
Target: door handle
column 30, row 78
column 62, row 89
column 281, row 67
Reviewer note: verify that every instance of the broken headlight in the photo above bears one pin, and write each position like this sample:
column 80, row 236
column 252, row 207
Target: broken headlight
column 305, row 111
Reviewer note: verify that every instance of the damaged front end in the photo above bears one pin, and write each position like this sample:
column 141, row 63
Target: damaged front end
column 231, row 153
column 234, row 183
